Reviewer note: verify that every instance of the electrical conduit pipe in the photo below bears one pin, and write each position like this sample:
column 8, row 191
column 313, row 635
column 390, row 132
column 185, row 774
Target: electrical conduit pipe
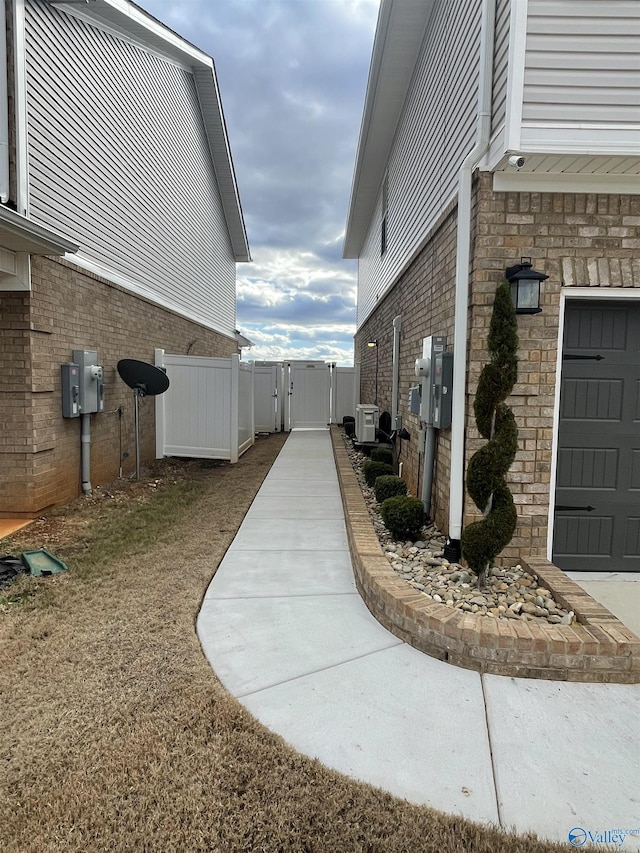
column 85, row 447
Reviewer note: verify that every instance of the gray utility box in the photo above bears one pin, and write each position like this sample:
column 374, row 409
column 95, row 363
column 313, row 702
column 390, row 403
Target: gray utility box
column 91, row 381
column 442, row 390
column 70, row 373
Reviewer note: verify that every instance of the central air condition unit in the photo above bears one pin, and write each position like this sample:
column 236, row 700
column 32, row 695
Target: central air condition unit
column 366, row 422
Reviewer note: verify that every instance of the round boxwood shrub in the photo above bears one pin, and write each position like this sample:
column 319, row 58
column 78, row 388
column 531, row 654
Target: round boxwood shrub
column 403, row 517
column 372, row 470
column 382, row 454
column 389, row 486
column 349, row 428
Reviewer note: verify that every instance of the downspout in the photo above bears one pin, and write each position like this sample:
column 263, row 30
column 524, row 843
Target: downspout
column 463, row 252
column 4, row 111
column 397, row 327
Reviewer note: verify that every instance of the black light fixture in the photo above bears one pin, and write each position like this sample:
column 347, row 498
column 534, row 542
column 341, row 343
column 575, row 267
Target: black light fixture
column 375, row 344
column 525, row 286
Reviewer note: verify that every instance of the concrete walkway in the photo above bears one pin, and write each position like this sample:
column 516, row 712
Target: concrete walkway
column 287, row 633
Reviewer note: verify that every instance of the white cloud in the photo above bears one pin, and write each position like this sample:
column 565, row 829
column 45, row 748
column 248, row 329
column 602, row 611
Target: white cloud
column 292, row 75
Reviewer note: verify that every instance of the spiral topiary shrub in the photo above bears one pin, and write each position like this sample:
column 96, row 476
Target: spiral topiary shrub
column 382, row 454
column 389, row 486
column 372, row 470
column 403, row 517
column 483, row 540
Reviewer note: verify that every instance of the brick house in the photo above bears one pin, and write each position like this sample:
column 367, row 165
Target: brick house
column 120, row 229
column 492, row 131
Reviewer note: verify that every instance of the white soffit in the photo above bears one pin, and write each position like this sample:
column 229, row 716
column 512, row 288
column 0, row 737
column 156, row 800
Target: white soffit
column 398, row 40
column 19, row 234
column 132, row 23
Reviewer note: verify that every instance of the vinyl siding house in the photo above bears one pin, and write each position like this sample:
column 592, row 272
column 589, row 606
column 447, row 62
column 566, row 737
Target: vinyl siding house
column 437, row 214
column 120, row 229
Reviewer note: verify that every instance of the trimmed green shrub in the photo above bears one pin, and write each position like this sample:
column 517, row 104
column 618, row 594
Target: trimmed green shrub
column 382, row 454
column 349, row 428
column 403, row 516
column 483, row 540
column 372, row 470
column 389, row 486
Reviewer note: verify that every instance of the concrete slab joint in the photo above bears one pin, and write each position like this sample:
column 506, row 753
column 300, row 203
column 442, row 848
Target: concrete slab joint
column 596, row 648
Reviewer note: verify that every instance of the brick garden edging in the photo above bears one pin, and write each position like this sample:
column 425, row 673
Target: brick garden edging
column 599, row 649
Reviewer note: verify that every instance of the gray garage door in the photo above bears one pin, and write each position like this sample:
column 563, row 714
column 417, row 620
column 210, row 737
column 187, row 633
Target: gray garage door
column 597, row 519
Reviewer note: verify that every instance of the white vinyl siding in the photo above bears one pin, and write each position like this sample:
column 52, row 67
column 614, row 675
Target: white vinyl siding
column 435, row 133
column 500, row 65
column 582, row 71
column 119, row 161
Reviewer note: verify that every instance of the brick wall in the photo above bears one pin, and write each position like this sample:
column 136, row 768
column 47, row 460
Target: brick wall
column 69, row 309
column 424, row 298
column 578, row 240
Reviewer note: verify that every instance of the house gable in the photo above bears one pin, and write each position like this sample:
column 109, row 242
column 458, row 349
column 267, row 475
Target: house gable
column 128, row 155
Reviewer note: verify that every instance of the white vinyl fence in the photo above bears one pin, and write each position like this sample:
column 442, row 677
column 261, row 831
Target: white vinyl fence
column 267, row 390
column 345, row 385
column 215, row 406
column 208, row 410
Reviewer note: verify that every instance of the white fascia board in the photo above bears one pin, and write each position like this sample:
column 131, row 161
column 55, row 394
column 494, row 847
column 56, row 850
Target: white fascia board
column 581, row 138
column 213, row 116
column 126, row 20
column 132, row 23
column 398, row 40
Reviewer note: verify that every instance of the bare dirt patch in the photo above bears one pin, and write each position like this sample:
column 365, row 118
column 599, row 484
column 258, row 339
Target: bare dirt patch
column 115, row 734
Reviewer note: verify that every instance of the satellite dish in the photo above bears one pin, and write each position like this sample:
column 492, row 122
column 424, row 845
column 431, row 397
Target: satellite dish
column 145, row 380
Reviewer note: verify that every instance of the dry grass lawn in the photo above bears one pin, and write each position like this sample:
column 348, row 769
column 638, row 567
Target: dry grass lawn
column 115, row 734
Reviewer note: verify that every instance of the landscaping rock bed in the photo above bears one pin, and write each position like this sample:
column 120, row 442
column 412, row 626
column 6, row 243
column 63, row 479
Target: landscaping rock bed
column 512, row 593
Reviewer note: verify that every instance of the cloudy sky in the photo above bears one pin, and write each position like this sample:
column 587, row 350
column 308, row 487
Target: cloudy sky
column 292, row 75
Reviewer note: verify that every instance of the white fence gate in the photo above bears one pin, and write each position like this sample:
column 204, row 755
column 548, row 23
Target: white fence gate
column 208, row 410
column 215, row 406
column 309, row 395
column 267, row 389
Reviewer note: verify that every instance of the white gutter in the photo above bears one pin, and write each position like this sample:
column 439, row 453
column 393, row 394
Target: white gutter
column 461, row 316
column 4, row 111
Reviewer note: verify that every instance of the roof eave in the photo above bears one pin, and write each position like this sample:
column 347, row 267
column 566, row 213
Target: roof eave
column 20, row 234
column 397, row 44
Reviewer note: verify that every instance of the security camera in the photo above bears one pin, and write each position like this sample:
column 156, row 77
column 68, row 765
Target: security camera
column 516, row 161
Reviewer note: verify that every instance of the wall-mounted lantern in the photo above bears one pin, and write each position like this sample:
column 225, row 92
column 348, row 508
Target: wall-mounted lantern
column 375, row 344
column 525, row 287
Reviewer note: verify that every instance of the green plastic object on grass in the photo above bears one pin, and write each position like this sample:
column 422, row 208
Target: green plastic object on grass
column 41, row 562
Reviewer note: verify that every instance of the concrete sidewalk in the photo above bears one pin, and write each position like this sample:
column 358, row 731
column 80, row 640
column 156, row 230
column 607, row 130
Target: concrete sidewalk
column 284, row 628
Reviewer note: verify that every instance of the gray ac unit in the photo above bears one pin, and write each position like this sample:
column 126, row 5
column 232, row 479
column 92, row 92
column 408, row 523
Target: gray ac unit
column 366, row 422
